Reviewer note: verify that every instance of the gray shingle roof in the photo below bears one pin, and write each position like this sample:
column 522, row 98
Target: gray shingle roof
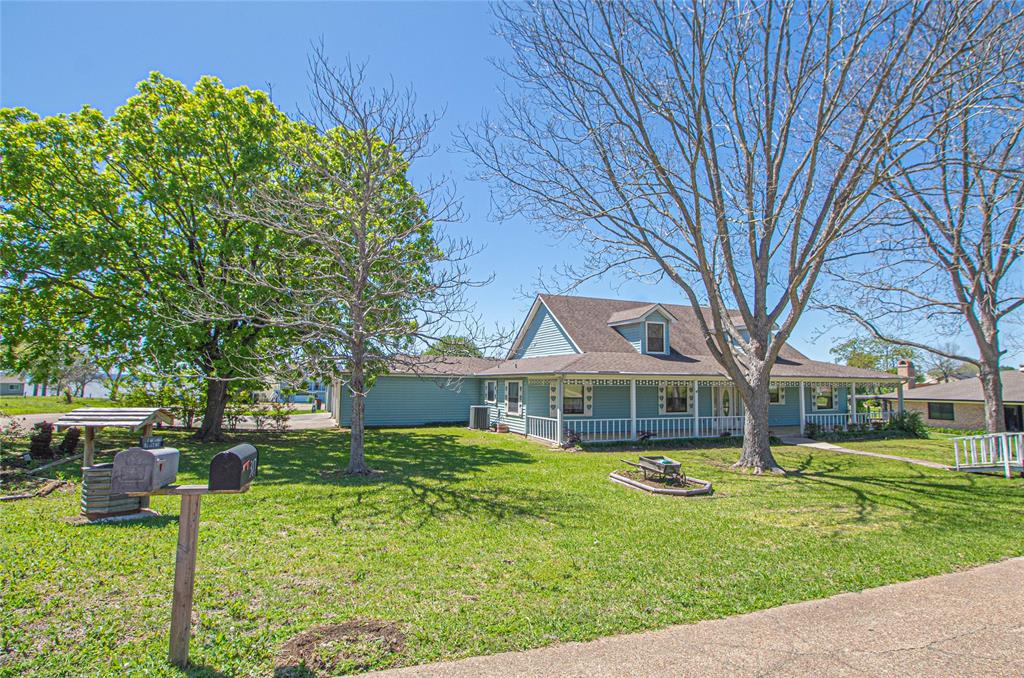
column 606, row 351
column 442, row 366
column 967, row 390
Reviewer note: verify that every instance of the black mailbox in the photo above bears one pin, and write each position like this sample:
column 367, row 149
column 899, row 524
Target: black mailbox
column 233, row 469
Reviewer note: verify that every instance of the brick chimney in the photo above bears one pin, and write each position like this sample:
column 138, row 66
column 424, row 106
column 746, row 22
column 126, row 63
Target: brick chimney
column 905, row 369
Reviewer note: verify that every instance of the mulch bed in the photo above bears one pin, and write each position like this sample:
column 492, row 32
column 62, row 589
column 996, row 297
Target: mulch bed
column 357, row 645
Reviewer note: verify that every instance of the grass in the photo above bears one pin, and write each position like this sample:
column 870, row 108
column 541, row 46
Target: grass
column 472, row 543
column 47, row 404
column 937, row 447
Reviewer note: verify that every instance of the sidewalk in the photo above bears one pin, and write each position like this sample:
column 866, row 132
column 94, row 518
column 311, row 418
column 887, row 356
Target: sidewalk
column 963, row 624
column 808, row 442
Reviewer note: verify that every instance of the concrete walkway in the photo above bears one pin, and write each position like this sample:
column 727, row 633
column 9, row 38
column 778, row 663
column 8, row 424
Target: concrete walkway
column 808, row 442
column 964, row 624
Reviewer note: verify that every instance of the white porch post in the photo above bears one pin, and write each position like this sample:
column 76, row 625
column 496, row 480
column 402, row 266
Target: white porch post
column 803, row 407
column 632, row 409
column 558, row 412
column 852, row 417
column 696, row 409
column 899, row 398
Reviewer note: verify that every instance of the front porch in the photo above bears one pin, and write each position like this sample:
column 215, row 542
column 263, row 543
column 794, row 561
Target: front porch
column 633, row 409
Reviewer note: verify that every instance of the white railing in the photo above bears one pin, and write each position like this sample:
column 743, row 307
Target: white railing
column 545, row 428
column 665, row 428
column 990, row 450
column 844, row 420
column 715, row 427
column 600, row 430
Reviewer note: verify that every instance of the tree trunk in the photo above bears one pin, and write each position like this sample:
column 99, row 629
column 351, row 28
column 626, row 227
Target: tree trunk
column 357, row 456
column 992, row 389
column 216, row 400
column 757, row 452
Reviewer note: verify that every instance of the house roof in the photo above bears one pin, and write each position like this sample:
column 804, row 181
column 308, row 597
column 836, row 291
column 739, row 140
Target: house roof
column 966, row 390
column 11, row 379
column 674, row 365
column 442, row 366
column 604, row 351
column 638, row 313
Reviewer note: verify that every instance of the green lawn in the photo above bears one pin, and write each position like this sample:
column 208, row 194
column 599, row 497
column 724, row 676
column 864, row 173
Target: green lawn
column 473, row 543
column 47, row 404
column 936, row 447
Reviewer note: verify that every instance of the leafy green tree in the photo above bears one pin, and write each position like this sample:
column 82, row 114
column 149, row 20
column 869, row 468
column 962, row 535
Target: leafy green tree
column 456, row 346
column 872, row 354
column 112, row 226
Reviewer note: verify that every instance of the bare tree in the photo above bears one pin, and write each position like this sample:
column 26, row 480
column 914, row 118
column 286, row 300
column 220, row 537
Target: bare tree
column 949, row 258
column 360, row 272
column 724, row 146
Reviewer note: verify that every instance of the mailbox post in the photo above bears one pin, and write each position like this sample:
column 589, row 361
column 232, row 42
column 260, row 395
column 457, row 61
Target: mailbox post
column 231, row 472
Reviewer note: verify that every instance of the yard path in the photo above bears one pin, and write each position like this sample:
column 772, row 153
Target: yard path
column 965, row 624
column 807, row 442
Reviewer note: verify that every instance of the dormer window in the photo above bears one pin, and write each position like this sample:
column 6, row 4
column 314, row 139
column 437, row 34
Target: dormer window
column 656, row 337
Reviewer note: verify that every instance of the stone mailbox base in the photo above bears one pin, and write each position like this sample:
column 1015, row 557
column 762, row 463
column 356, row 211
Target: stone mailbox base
column 98, row 502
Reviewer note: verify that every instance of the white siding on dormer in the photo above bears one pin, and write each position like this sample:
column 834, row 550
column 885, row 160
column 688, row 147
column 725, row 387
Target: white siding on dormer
column 544, row 337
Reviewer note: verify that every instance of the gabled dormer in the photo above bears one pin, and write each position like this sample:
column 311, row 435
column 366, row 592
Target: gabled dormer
column 646, row 328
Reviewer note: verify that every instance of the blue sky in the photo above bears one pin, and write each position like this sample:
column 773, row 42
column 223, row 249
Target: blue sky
column 56, row 57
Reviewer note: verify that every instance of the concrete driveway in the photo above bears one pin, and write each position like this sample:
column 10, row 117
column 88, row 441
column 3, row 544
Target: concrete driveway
column 964, row 624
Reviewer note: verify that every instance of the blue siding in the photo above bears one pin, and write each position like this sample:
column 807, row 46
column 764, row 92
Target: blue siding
column 414, row 401
column 634, row 335
column 543, row 337
column 787, row 414
column 839, row 400
column 534, row 403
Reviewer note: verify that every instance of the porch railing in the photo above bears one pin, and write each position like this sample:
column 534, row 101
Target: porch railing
column 992, row 450
column 599, row 430
column 666, row 428
column 844, row 420
column 616, row 430
column 715, row 427
column 545, row 428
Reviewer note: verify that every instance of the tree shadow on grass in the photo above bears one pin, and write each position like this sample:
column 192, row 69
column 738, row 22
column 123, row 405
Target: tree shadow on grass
column 420, row 475
column 931, row 498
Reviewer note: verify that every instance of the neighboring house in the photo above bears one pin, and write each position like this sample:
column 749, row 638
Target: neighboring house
column 960, row 404
column 11, row 385
column 608, row 369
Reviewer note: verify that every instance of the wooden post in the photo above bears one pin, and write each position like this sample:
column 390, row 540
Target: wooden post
column 147, row 430
column 90, row 446
column 184, row 579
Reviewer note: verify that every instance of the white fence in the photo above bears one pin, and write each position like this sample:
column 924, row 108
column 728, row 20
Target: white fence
column 616, row 430
column 990, row 452
column 544, row 428
column 843, row 420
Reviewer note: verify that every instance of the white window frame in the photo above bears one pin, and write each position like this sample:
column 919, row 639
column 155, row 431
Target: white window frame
column 814, row 399
column 781, row 391
column 684, row 395
column 518, row 412
column 582, row 399
column 487, row 388
column 664, row 337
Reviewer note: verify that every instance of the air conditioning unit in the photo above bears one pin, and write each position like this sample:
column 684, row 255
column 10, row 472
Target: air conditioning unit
column 479, row 417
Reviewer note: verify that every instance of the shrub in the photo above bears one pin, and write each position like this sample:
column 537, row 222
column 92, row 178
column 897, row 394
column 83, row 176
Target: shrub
column 260, row 416
column 909, row 423
column 812, row 429
column 279, row 414
column 69, row 443
column 42, row 438
column 11, row 431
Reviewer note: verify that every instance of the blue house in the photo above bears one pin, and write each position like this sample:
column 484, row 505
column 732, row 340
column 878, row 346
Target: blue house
column 609, row 370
